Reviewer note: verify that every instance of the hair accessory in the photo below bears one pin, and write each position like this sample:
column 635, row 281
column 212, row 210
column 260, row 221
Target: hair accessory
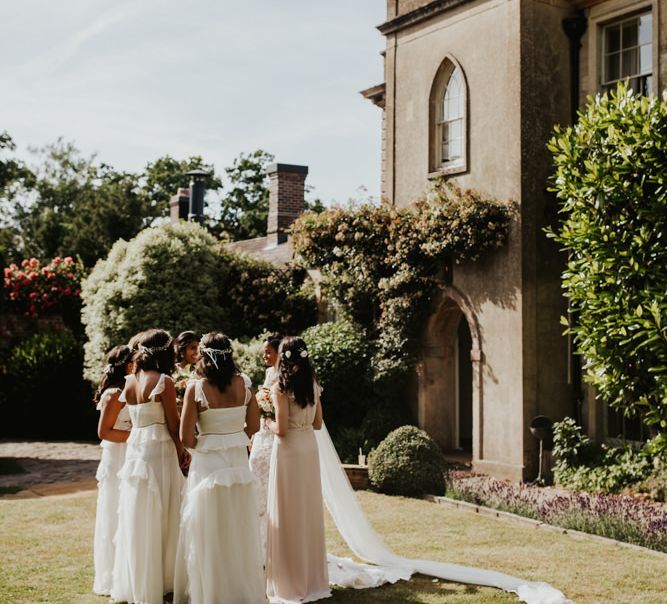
column 154, row 349
column 212, row 353
column 303, row 354
column 288, row 354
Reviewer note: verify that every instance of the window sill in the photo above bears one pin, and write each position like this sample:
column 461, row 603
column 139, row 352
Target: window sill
column 448, row 171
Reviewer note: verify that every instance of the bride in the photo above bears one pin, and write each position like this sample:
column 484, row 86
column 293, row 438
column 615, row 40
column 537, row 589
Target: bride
column 384, row 566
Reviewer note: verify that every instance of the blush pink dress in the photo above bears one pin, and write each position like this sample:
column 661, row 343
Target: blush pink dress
column 296, row 566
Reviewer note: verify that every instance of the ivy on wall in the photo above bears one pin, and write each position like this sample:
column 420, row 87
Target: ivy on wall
column 383, row 264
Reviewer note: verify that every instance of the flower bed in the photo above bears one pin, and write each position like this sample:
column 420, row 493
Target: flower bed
column 615, row 516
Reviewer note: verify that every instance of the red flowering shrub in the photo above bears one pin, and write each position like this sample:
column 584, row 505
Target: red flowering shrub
column 32, row 289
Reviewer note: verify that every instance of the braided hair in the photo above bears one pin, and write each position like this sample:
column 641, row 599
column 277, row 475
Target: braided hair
column 154, row 352
column 114, row 372
column 216, row 361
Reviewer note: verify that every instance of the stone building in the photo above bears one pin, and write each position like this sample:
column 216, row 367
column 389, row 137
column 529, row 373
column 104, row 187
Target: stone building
column 472, row 91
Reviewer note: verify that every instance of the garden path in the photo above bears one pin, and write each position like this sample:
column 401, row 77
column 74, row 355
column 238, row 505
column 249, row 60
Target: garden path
column 51, row 467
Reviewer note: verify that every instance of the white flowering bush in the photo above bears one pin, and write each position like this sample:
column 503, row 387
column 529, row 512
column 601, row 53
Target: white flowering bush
column 166, row 277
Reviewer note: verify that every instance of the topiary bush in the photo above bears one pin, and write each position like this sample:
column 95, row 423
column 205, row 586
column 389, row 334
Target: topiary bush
column 45, row 393
column 407, row 462
column 166, row 277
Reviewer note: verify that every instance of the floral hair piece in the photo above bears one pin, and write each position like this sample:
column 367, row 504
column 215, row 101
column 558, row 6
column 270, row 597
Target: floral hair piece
column 154, row 349
column 212, row 353
column 303, row 353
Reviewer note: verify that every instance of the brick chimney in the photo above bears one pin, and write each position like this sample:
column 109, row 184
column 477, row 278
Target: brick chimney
column 286, row 200
column 179, row 205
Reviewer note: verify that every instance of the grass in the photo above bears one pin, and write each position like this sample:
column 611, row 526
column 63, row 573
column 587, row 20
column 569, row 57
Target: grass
column 47, row 555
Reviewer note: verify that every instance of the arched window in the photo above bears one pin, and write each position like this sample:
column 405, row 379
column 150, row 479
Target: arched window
column 448, row 120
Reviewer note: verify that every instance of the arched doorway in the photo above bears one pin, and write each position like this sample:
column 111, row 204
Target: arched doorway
column 449, row 385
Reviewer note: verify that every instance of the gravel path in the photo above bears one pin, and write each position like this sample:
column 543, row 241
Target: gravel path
column 50, row 464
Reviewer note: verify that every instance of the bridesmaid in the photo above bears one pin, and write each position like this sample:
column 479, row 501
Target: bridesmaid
column 262, row 442
column 151, row 480
column 296, row 552
column 219, row 557
column 113, row 429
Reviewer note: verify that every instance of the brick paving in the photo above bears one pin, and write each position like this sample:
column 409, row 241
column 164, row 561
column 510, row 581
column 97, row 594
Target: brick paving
column 51, row 467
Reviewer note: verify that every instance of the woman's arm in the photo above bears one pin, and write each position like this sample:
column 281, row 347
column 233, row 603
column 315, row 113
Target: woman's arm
column 252, row 416
column 189, row 418
column 318, row 419
column 111, row 407
column 168, row 398
column 281, row 404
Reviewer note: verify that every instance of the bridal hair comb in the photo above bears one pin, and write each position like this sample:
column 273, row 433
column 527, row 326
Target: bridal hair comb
column 212, row 353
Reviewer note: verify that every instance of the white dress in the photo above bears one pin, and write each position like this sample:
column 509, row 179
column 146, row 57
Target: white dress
column 148, row 512
column 260, row 458
column 106, row 519
column 219, row 557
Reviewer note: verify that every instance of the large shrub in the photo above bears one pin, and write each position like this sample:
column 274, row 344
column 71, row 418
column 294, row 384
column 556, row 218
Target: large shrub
column 258, row 296
column 611, row 176
column 167, row 277
column 248, row 357
column 45, row 393
column 340, row 354
column 407, row 462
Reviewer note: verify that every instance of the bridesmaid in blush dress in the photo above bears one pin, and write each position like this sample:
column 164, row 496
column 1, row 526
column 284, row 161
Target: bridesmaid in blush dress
column 296, row 566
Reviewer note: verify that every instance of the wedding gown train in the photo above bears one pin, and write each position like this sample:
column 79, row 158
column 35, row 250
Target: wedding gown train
column 362, row 539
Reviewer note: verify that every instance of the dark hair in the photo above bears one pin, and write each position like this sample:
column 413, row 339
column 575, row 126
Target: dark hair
column 182, row 341
column 154, row 352
column 114, row 373
column 273, row 340
column 295, row 371
column 216, row 345
column 133, row 342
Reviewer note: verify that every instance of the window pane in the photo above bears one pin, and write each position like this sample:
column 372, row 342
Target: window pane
column 613, row 42
column 630, row 34
column 648, row 85
column 646, row 29
column 646, row 59
column 455, row 129
column 445, row 152
column 630, row 62
column 612, row 71
column 456, row 149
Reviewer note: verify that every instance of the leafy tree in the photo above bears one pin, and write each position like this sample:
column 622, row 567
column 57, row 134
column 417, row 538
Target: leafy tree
column 611, row 177
column 245, row 206
column 163, row 177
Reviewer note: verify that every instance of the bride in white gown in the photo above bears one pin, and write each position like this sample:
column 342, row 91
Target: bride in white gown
column 385, row 566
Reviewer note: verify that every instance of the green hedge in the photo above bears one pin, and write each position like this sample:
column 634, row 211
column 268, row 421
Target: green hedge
column 45, row 395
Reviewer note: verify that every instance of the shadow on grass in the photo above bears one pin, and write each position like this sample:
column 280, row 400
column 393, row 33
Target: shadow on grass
column 419, row 589
column 9, row 465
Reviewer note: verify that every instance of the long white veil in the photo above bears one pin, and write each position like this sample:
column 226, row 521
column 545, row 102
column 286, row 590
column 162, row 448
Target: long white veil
column 362, row 539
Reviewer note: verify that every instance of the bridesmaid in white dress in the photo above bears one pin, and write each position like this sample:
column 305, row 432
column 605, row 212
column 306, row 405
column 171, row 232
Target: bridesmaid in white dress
column 296, row 562
column 113, row 429
column 151, row 479
column 262, row 442
column 219, row 558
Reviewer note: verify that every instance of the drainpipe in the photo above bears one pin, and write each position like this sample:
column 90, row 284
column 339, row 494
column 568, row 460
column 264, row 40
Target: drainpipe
column 574, row 28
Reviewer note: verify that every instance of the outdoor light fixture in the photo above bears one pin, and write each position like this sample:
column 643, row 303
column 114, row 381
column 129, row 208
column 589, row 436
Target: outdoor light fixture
column 542, row 429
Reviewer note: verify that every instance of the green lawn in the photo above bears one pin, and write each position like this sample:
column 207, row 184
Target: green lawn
column 47, row 555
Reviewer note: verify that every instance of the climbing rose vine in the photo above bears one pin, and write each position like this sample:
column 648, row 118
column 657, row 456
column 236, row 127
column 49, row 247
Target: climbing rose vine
column 383, row 264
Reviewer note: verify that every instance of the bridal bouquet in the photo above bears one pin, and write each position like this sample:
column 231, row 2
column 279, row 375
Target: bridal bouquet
column 266, row 408
column 181, row 378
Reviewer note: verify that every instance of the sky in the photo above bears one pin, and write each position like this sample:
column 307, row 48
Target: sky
column 135, row 80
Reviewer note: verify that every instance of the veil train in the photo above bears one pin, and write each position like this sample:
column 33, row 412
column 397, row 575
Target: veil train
column 362, row 539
